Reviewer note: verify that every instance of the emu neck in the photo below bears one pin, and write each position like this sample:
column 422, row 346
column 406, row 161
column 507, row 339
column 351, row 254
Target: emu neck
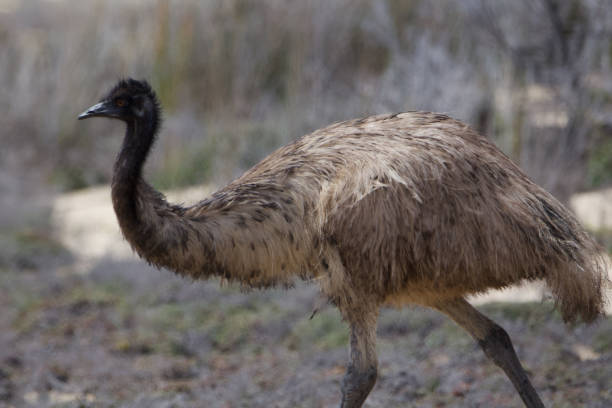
column 131, row 195
column 137, row 144
column 240, row 240
column 158, row 231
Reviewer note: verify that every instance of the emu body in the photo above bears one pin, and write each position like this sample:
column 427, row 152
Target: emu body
column 408, row 208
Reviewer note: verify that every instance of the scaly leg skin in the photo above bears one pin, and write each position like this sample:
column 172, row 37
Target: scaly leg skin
column 496, row 345
column 362, row 369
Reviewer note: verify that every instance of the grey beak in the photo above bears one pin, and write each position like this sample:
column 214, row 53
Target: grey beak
column 98, row 109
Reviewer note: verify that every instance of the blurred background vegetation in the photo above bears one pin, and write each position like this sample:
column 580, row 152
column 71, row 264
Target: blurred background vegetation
column 238, row 78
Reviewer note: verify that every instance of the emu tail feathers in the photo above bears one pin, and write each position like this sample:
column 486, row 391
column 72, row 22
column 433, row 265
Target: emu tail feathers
column 579, row 276
column 578, row 288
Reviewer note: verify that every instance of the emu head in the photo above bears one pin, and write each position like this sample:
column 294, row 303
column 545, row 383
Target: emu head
column 129, row 100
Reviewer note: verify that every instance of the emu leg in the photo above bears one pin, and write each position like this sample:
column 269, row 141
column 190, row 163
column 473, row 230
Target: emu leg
column 361, row 373
column 496, row 345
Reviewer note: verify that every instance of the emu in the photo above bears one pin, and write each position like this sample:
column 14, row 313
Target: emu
column 396, row 209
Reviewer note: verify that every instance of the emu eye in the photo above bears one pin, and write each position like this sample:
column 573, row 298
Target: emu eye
column 120, row 102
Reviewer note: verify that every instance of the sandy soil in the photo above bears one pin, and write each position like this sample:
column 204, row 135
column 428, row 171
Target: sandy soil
column 594, row 208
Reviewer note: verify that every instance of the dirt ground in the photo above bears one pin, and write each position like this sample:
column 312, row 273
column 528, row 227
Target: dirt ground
column 99, row 328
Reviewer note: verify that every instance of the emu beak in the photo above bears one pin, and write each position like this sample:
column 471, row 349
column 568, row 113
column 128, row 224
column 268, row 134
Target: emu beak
column 99, row 109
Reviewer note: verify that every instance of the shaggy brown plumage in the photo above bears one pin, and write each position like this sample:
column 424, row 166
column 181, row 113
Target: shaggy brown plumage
column 392, row 209
column 415, row 207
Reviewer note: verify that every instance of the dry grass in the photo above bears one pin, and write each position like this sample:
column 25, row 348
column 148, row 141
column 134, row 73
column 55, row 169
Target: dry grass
column 236, row 73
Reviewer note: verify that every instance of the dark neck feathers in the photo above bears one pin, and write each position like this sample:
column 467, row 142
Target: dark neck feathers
column 139, row 138
column 159, row 232
column 131, row 195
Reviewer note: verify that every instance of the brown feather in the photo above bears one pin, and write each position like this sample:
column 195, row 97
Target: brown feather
column 405, row 208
